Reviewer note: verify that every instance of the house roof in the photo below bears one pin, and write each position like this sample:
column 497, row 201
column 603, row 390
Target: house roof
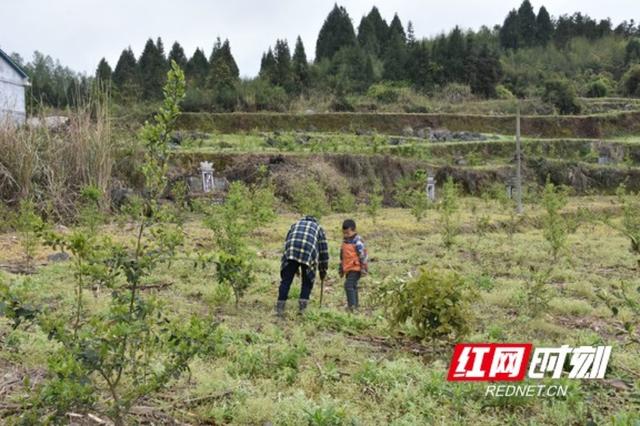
column 13, row 65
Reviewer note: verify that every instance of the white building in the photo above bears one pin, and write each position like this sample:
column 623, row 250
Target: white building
column 13, row 81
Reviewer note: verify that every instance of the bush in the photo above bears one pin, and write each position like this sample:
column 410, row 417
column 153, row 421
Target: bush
column 309, row 198
column 598, row 88
column 561, row 94
column 631, row 81
column 455, row 93
column 436, row 303
column 384, row 93
column 503, row 93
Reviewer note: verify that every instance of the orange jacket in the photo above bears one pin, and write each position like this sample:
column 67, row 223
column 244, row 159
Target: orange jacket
column 353, row 255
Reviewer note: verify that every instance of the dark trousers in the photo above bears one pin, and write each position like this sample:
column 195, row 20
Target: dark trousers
column 288, row 273
column 351, row 288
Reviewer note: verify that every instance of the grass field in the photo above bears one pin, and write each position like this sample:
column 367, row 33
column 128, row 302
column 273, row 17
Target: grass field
column 331, row 367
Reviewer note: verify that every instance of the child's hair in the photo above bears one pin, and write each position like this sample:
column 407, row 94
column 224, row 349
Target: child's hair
column 349, row 224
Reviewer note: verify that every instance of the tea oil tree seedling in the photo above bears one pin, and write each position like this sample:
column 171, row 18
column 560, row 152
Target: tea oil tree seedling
column 555, row 228
column 374, row 203
column 449, row 206
column 28, row 224
column 436, row 303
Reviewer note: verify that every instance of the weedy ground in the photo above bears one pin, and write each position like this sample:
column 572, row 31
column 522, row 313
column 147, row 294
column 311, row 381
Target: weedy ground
column 330, row 367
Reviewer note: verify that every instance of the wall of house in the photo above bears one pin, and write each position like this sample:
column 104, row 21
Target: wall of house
column 12, row 94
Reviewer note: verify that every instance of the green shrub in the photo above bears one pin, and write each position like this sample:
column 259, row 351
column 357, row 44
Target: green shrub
column 599, row 88
column 344, row 202
column 631, row 81
column 561, row 94
column 28, row 224
column 448, row 206
column 310, row 198
column 436, row 303
column 502, row 92
column 384, row 93
column 374, row 203
column 555, row 228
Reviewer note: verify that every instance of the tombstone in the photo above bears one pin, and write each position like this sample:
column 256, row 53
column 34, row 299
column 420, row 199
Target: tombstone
column 206, row 168
column 431, row 188
column 604, row 159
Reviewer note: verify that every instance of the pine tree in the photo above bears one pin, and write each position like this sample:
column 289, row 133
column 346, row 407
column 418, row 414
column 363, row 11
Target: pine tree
column 395, row 58
column 125, row 77
column 300, row 67
column 420, row 68
column 526, row 24
column 380, row 26
column 396, row 28
column 454, row 62
column 509, row 35
column 336, row 33
column 221, row 54
column 197, row 68
column 283, row 71
column 152, row 70
column 177, row 55
column 411, row 37
column 268, row 66
column 544, row 27
column 367, row 37
column 103, row 72
column 487, row 72
column 126, row 69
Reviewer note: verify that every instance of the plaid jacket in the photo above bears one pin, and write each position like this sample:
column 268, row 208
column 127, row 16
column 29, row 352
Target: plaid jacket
column 307, row 244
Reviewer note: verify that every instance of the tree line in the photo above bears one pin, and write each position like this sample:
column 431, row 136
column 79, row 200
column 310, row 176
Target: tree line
column 350, row 61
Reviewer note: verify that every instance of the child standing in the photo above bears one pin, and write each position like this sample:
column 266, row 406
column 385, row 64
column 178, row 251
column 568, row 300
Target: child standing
column 353, row 261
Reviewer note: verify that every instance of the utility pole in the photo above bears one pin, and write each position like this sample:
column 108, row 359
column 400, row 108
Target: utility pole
column 519, row 161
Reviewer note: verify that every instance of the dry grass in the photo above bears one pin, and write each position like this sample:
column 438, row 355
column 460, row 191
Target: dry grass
column 50, row 165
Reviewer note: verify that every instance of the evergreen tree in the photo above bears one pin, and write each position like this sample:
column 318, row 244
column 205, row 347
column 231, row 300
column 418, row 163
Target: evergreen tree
column 103, row 72
column 336, row 33
column 177, row 55
column 283, row 71
column 487, row 73
column 526, row 25
column 395, row 58
column 632, row 51
column 352, row 70
column 152, row 70
column 125, row 77
column 367, row 37
column 420, row 68
column 509, row 31
column 197, row 68
column 544, row 27
column 454, row 62
column 268, row 66
column 411, row 37
column 396, row 28
column 300, row 67
column 380, row 26
column 126, row 69
column 222, row 52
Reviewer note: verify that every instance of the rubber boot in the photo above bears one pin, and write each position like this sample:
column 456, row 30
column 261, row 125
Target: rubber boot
column 302, row 306
column 280, row 308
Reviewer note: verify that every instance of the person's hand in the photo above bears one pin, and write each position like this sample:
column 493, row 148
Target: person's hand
column 323, row 275
column 341, row 274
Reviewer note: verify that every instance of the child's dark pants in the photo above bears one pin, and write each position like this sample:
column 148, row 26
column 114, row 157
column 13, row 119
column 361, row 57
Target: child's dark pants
column 351, row 288
column 288, row 273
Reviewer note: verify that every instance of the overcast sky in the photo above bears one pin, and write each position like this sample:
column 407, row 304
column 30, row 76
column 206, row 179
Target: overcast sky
column 80, row 32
